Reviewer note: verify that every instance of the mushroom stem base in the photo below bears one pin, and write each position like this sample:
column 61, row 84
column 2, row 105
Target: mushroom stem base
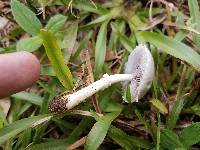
column 106, row 81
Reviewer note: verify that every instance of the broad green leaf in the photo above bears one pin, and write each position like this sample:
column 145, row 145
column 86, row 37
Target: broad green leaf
column 70, row 40
column 55, row 56
column 174, row 48
column 126, row 141
column 100, row 49
column 99, row 131
column 169, row 140
column 30, row 44
column 195, row 16
column 159, row 105
column 56, row 23
column 15, row 128
column 25, row 17
column 29, row 97
column 190, row 135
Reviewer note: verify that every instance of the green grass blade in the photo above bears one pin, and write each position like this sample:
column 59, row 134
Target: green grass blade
column 79, row 129
column 50, row 145
column 98, row 20
column 29, row 97
column 120, row 138
column 82, row 45
column 15, row 128
column 169, row 140
column 174, row 114
column 99, row 131
column 56, row 58
column 47, row 88
column 25, row 17
column 100, row 49
column 3, row 120
column 158, row 133
column 126, row 141
column 89, row 7
column 174, row 48
column 47, row 70
column 145, row 123
column 114, row 38
column 126, row 42
column 179, row 103
column 195, row 16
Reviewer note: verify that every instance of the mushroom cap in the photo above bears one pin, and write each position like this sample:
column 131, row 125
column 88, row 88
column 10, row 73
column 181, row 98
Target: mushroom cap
column 141, row 65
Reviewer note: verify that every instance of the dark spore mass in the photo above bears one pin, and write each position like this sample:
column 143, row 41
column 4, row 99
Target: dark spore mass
column 58, row 104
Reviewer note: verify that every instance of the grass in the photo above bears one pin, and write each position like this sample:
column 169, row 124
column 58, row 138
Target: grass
column 64, row 34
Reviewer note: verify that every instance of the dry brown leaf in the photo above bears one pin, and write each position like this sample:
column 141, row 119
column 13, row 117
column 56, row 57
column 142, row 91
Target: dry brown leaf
column 90, row 79
column 77, row 144
column 111, row 55
column 155, row 21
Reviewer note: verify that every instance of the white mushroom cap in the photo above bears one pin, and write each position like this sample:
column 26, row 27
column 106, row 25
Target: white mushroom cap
column 141, row 65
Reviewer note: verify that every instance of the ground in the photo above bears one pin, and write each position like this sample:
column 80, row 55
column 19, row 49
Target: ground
column 76, row 42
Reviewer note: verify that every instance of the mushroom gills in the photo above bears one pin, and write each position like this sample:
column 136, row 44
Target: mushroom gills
column 141, row 65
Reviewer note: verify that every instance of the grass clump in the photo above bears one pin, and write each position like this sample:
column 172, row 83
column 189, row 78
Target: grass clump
column 77, row 41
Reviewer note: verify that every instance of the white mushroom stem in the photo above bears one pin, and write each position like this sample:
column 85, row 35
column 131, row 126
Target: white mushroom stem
column 106, row 81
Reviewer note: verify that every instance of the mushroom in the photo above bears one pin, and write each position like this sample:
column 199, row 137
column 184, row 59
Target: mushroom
column 140, row 65
column 136, row 80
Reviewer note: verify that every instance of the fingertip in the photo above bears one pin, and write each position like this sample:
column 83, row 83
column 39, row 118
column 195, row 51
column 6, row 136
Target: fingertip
column 33, row 63
column 18, row 71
